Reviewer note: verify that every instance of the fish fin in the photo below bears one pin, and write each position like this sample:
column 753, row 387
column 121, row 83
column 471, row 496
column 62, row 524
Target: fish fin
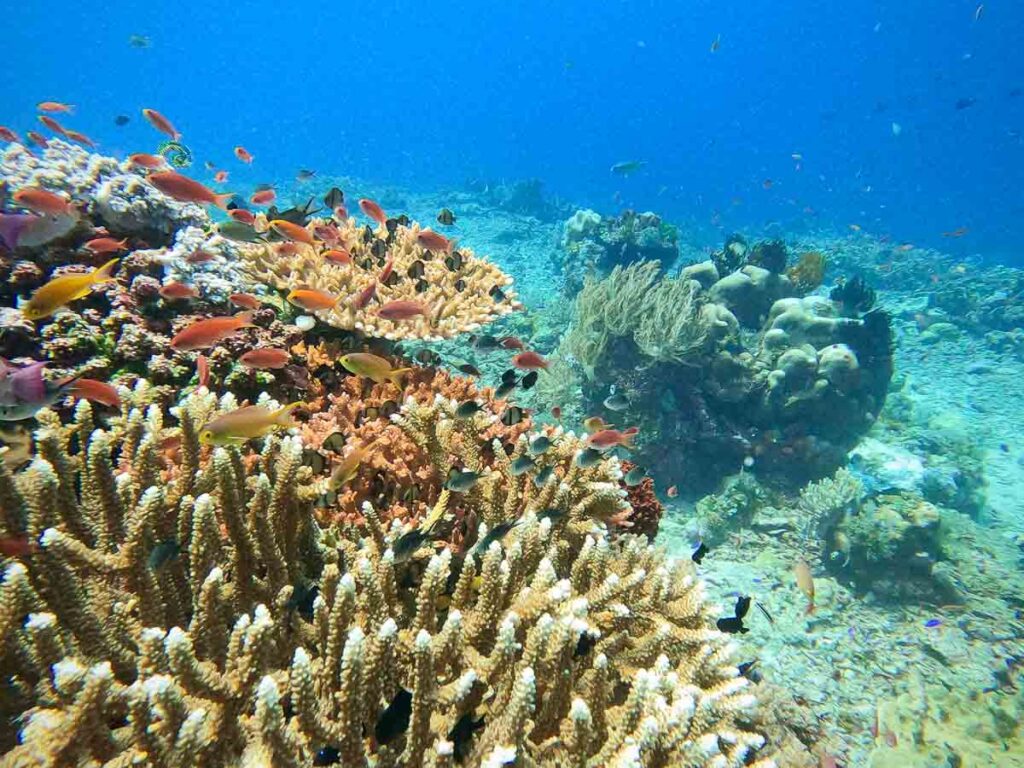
column 105, row 273
column 283, row 416
column 395, row 376
column 221, row 201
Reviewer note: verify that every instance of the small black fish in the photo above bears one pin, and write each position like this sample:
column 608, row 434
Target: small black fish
column 387, row 409
column 497, row 294
column 467, row 409
column 742, row 606
column 765, row 612
column 461, row 735
column 305, row 174
column 334, row 442
column 460, row 285
column 584, row 645
column 469, row 369
column 416, row 270
column 446, row 217
column 732, row 626
column 746, row 666
column 454, row 262
column 698, row 555
column 314, row 460
column 163, row 553
column 334, row 198
column 521, row 465
column 427, row 357
column 539, row 445
column 327, row 756
column 552, row 514
column 409, row 543
column 529, row 380
column 379, row 248
column 509, row 376
column 460, row 482
column 302, row 600
column 497, row 533
column 504, row 390
column 965, row 102
column 122, row 120
column 589, row 458
column 543, row 476
column 485, row 343
column 392, row 280
column 635, row 476
column 421, row 285
column 394, row 720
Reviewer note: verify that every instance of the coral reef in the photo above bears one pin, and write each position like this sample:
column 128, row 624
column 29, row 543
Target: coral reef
column 171, row 620
column 457, row 291
column 732, row 508
column 789, row 401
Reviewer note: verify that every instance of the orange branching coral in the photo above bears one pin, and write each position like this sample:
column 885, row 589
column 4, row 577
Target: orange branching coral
column 647, row 510
column 457, row 290
column 393, row 470
column 808, row 272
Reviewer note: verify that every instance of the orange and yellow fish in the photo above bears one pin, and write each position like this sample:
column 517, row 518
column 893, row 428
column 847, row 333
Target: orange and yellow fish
column 187, row 190
column 161, row 123
column 293, row 232
column 205, row 333
column 64, row 289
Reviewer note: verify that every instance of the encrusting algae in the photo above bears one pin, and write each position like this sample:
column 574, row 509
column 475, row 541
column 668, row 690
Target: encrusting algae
column 261, row 639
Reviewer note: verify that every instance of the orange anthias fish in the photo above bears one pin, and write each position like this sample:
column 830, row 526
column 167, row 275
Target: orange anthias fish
column 511, row 342
column 672, row 492
column 101, row 245
column 365, row 296
column 43, row 201
column 55, row 106
column 80, row 138
column 242, row 216
column 65, row 289
column 340, row 213
column 386, row 272
column 245, row 300
column 53, row 125
column 6, row 134
column 220, row 177
column 805, row 582
column 373, row 210
column 338, row 256
column 611, row 438
column 176, row 291
column 328, row 233
column 958, row 232
column 433, row 241
column 96, row 391
column 401, row 310
column 202, row 371
column 265, row 358
column 38, row 139
column 286, row 249
column 263, row 197
column 242, row 154
column 143, row 160
column 312, row 299
column 529, row 361
column 205, row 333
column 161, row 123
column 293, row 232
column 186, row 190
column 199, row 257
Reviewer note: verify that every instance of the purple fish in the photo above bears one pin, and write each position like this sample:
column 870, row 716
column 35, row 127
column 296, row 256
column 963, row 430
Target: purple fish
column 12, row 225
column 933, row 623
column 27, row 384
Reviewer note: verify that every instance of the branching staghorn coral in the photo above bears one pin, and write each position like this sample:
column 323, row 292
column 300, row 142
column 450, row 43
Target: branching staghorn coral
column 557, row 644
column 460, row 291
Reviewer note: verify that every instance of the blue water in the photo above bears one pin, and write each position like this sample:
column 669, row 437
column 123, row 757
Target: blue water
column 430, row 95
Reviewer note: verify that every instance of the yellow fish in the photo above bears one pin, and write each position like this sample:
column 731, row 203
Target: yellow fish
column 344, row 472
column 65, row 289
column 436, row 513
column 246, row 423
column 373, row 367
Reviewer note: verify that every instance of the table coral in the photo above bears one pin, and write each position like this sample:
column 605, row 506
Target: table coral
column 563, row 646
column 459, row 291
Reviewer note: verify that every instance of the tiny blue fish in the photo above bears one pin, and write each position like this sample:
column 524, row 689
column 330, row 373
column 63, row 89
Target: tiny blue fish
column 933, row 623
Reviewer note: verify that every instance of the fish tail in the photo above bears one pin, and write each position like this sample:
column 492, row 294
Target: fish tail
column 395, row 376
column 221, row 201
column 246, row 319
column 105, row 273
column 283, row 416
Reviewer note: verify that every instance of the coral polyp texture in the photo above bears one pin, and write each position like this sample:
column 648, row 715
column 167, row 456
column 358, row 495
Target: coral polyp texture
column 457, row 291
column 183, row 607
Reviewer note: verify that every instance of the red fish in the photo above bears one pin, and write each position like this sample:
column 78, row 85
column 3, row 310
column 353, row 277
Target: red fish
column 265, row 358
column 100, row 245
column 17, row 546
column 338, row 256
column 328, row 233
column 175, row 291
column 38, row 139
column 556, row 411
column 610, row 438
column 386, row 272
column 373, row 210
column 220, row 177
column 245, row 300
column 672, row 492
column 529, row 361
column 6, row 134
column 511, row 342
column 401, row 310
column 42, row 201
column 206, row 333
column 433, row 241
column 199, row 257
column 242, row 216
column 286, row 249
column 365, row 296
column 53, row 125
column 263, row 197
column 143, row 160
column 96, row 392
column 186, row 190
column 202, row 370
column 80, row 138
column 340, row 213
column 242, row 154
column 161, row 123
column 55, row 106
